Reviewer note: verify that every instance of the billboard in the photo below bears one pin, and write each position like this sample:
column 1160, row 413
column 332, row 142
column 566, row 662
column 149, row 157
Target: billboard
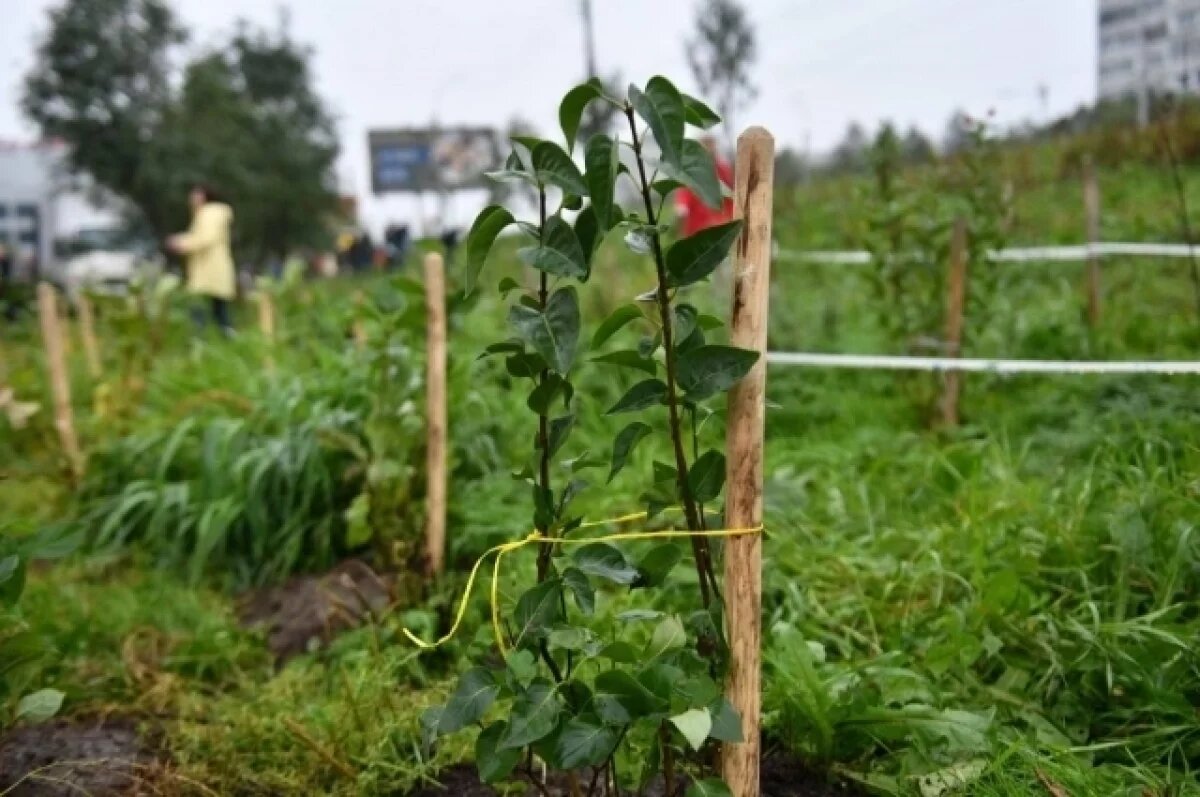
column 427, row 159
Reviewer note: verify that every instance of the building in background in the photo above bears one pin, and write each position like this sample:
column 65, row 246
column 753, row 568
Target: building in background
column 1148, row 47
column 39, row 205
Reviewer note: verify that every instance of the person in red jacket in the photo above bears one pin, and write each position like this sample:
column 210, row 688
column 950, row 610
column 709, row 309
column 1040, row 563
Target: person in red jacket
column 693, row 214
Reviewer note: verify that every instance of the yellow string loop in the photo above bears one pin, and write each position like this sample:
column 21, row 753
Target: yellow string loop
column 537, row 538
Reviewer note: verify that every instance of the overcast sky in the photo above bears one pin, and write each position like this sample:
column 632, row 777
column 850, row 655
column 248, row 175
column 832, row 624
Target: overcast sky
column 822, row 63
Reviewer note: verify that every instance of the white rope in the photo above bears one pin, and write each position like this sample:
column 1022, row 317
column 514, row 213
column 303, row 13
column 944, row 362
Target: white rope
column 1029, row 254
column 896, row 363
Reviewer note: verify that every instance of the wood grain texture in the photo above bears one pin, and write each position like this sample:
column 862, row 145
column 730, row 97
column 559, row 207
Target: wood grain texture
column 60, row 383
column 956, row 300
column 435, row 412
column 744, row 455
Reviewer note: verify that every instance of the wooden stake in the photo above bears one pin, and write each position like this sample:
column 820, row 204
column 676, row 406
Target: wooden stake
column 956, row 298
column 1091, row 205
column 60, row 384
column 266, row 316
column 744, row 455
column 435, row 412
column 87, row 330
column 266, row 326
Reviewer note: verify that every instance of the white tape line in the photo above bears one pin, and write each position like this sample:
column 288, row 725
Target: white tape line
column 1029, row 254
column 872, row 362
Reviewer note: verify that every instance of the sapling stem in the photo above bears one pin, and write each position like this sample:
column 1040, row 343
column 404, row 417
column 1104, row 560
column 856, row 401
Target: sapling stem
column 699, row 546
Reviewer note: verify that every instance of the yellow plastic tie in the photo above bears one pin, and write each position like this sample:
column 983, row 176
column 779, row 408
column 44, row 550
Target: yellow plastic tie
column 537, row 538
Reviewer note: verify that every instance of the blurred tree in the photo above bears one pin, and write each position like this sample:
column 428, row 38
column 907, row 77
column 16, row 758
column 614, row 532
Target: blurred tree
column 721, row 54
column 244, row 118
column 102, row 84
column 958, row 133
column 791, row 167
column 916, row 147
column 851, row 154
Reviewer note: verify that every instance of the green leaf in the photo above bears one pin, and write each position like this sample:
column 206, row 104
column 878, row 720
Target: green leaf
column 648, row 345
column 12, row 579
column 605, row 561
column 613, row 324
column 477, row 690
column 626, row 440
column 664, row 187
column 40, row 706
column 709, row 370
column 525, row 365
column 544, row 394
column 559, row 252
column 574, row 638
column 698, row 171
column 620, row 699
column 570, row 110
column 588, row 233
column 707, row 476
column 628, row 359
column 709, row 322
column 698, row 114
column 493, row 763
column 603, row 163
column 488, row 225
column 694, row 724
column 552, row 166
column 560, row 430
column 521, row 666
column 584, row 743
column 430, row 719
column 621, row 652
column 585, row 595
column 661, row 107
column 537, row 610
column 554, row 334
column 726, row 724
column 686, row 317
column 644, row 394
column 657, row 564
column 710, row 787
column 534, row 716
column 697, row 690
column 510, row 346
column 693, row 258
column 668, row 635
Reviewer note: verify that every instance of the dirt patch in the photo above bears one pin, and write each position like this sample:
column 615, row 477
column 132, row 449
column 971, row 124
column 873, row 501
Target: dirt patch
column 101, row 758
column 781, row 776
column 785, row 776
column 460, row 781
column 308, row 611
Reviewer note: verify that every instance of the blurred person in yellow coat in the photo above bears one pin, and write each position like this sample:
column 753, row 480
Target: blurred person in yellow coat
column 210, row 269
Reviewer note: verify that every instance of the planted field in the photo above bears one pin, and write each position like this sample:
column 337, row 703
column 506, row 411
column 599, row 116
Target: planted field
column 1007, row 607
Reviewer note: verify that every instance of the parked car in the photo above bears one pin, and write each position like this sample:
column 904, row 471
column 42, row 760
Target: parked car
column 103, row 259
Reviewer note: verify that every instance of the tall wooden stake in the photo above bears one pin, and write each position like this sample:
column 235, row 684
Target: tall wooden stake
column 87, row 330
column 266, row 326
column 744, row 455
column 1091, row 206
column 266, row 316
column 60, row 384
column 956, row 298
column 435, row 412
